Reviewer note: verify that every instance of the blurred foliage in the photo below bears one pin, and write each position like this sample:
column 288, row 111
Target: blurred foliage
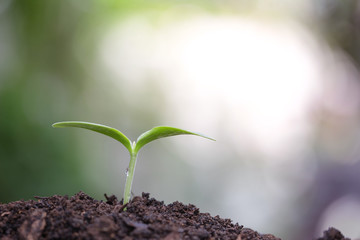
column 38, row 87
column 339, row 24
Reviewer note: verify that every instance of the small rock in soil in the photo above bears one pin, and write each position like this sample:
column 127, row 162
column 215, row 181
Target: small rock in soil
column 333, row 234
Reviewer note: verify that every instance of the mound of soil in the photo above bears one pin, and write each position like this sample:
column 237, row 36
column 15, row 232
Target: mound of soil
column 82, row 217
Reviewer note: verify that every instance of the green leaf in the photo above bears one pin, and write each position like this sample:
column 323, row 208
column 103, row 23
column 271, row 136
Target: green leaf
column 161, row 132
column 108, row 131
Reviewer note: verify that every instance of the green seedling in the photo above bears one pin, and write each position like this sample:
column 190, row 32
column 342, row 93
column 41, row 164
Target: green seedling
column 132, row 147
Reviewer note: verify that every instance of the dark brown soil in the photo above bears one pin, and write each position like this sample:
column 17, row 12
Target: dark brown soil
column 333, row 234
column 81, row 217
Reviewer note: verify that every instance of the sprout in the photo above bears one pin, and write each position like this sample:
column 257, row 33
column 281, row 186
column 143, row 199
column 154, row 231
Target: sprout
column 134, row 147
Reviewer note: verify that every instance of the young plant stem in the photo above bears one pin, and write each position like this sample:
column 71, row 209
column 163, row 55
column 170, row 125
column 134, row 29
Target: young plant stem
column 130, row 176
column 134, row 147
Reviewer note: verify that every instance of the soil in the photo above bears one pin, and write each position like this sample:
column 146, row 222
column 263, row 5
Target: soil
column 82, row 217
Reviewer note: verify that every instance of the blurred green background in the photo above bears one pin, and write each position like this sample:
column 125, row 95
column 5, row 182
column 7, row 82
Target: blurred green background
column 275, row 82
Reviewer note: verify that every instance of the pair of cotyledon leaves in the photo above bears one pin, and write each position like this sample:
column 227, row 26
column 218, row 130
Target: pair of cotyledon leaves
column 143, row 139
